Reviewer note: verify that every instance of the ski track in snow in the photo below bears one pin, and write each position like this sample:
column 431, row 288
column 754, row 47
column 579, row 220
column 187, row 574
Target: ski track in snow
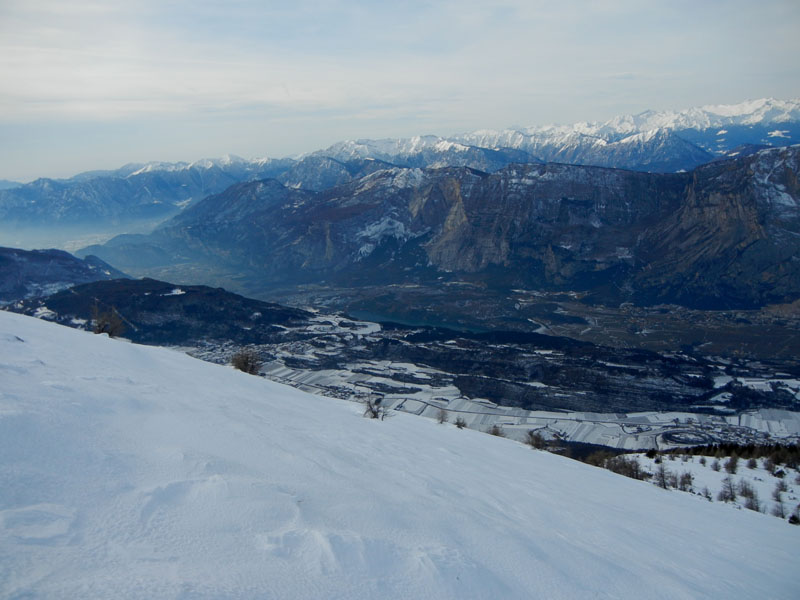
column 136, row 472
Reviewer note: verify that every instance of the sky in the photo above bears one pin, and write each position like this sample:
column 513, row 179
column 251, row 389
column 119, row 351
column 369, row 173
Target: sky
column 98, row 84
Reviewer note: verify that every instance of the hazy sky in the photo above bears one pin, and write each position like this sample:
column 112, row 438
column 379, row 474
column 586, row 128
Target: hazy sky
column 96, row 84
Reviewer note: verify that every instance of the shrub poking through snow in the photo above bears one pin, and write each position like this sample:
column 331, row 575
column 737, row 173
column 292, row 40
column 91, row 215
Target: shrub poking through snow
column 109, row 322
column 496, row 430
column 247, row 360
column 374, row 409
column 534, row 439
column 461, row 423
column 732, row 464
column 442, row 416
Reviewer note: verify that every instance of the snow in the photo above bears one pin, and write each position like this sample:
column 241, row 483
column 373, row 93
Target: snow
column 642, row 127
column 44, row 313
column 175, row 292
column 705, row 477
column 640, row 138
column 136, row 472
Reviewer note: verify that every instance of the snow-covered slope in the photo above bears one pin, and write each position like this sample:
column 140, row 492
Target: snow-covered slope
column 136, row 472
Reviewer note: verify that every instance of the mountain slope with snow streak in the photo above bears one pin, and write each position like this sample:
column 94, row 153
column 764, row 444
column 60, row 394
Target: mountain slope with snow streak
column 136, row 472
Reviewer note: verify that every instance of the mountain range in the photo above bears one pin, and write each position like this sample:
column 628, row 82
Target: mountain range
column 724, row 235
column 650, row 141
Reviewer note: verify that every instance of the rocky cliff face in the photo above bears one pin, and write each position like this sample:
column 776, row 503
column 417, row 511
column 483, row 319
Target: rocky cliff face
column 734, row 241
column 724, row 235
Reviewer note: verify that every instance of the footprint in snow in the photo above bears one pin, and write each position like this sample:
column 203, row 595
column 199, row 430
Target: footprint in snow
column 46, row 524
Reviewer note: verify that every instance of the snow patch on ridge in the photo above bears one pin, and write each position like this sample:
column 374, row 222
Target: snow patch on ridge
column 373, row 234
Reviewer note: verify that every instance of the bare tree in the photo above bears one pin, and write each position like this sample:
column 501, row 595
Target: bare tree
column 662, row 476
column 728, row 491
column 752, row 502
column 746, row 490
column 629, row 467
column 442, row 416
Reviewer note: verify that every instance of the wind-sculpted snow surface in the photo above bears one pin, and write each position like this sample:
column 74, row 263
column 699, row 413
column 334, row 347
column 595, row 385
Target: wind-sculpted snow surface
column 137, row 472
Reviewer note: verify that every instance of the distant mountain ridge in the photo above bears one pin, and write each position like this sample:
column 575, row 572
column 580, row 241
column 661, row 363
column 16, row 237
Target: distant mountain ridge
column 132, row 193
column 666, row 141
column 157, row 312
column 28, row 274
column 722, row 236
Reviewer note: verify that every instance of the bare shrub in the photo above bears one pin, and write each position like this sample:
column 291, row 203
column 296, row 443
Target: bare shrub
column 374, row 409
column 109, row 322
column 442, row 417
column 629, row 467
column 672, row 480
column 686, row 481
column 703, row 460
column 496, row 430
column 461, row 423
column 534, row 439
column 732, row 464
column 752, row 463
column 715, row 465
column 247, row 360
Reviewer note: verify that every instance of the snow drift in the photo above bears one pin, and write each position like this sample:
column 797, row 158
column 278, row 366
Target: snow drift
column 135, row 472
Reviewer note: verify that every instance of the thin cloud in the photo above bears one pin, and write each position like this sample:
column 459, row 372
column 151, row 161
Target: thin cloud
column 336, row 69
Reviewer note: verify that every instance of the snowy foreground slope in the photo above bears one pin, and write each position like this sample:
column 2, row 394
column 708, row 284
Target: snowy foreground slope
column 137, row 472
